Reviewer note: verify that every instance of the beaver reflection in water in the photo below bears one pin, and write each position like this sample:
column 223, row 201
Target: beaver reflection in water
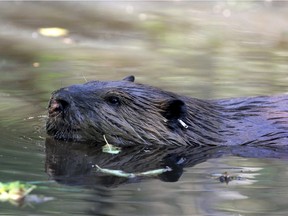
column 129, row 113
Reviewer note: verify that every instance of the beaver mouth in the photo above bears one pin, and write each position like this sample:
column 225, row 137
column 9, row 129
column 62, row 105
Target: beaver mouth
column 60, row 130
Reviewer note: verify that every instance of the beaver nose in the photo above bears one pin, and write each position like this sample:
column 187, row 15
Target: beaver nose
column 57, row 106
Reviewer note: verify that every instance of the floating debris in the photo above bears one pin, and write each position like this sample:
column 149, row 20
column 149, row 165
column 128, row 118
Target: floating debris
column 18, row 193
column 108, row 148
column 121, row 173
column 226, row 177
column 14, row 191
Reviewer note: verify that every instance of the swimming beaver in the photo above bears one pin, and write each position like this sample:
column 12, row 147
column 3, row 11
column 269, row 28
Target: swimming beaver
column 129, row 113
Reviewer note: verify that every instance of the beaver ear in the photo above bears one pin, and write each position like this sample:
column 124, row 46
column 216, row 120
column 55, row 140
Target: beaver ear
column 174, row 109
column 129, row 78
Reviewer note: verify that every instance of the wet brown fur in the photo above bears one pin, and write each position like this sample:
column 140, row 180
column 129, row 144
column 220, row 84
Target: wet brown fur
column 129, row 113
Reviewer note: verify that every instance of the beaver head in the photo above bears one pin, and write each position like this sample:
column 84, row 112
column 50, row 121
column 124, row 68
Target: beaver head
column 128, row 113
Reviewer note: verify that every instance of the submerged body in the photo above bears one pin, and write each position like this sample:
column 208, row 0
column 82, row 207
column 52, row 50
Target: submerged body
column 129, row 113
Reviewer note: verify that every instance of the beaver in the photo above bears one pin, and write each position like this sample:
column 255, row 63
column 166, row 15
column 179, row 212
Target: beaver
column 128, row 113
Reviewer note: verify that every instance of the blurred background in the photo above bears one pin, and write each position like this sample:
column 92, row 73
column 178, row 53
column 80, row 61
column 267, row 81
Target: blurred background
column 204, row 49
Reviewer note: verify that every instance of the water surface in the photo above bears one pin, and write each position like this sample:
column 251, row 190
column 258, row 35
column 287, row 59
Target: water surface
column 204, row 50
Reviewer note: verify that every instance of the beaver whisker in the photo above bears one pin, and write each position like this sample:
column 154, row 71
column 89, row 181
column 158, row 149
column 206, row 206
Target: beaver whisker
column 84, row 77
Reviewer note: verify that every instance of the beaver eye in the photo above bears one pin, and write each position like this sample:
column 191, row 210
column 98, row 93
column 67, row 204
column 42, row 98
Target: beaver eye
column 113, row 100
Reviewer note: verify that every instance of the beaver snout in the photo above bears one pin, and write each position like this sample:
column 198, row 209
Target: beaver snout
column 56, row 107
column 58, row 103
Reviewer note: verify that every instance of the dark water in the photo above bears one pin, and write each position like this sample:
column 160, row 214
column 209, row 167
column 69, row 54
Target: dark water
column 205, row 50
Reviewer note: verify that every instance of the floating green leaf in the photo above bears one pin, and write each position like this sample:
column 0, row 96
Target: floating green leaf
column 14, row 191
